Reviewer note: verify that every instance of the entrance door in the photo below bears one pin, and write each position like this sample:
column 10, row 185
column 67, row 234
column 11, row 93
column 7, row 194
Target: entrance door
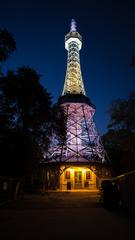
column 78, row 179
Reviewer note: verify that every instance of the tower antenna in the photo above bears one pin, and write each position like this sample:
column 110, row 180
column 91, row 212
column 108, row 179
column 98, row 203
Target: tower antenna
column 73, row 26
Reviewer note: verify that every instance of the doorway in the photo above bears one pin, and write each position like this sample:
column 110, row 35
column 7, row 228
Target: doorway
column 78, row 179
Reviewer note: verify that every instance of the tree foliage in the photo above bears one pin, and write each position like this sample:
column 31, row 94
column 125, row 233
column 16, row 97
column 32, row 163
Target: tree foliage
column 122, row 114
column 27, row 117
column 132, row 64
column 27, row 120
column 7, row 44
column 120, row 138
column 59, row 123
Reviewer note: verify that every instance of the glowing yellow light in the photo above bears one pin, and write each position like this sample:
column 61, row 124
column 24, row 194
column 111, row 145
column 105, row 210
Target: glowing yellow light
column 72, row 169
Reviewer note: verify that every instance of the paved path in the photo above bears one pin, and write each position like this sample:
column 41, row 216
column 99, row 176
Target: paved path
column 63, row 216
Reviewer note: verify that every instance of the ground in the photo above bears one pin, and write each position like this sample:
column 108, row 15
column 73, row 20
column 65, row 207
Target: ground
column 63, row 216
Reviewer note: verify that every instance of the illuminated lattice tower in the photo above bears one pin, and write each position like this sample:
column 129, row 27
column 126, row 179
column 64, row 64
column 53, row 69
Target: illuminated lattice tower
column 83, row 142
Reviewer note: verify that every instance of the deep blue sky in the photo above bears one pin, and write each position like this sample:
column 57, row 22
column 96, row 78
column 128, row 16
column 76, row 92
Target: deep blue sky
column 108, row 31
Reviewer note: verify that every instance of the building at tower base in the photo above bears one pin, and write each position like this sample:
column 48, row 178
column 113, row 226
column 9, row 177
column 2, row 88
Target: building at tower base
column 74, row 176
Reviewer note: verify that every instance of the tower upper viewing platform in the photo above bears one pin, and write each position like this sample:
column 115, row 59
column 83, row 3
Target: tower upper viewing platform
column 73, row 35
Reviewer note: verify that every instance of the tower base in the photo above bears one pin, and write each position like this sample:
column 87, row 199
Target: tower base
column 74, row 176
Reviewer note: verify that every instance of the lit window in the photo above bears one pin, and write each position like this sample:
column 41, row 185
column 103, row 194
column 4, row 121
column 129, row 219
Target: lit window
column 67, row 175
column 87, row 174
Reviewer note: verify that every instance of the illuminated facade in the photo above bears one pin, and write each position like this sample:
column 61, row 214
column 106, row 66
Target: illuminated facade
column 81, row 159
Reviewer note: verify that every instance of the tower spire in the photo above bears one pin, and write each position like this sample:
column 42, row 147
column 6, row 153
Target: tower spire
column 73, row 80
column 73, row 26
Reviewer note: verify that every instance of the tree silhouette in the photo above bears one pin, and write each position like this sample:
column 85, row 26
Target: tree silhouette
column 27, row 119
column 7, row 44
column 122, row 113
column 120, row 138
column 132, row 64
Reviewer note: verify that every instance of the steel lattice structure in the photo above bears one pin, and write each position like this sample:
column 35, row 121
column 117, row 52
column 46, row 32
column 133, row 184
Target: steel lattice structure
column 83, row 142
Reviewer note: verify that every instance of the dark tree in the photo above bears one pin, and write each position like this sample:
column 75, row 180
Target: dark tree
column 7, row 44
column 132, row 64
column 27, row 121
column 122, row 114
column 120, row 138
column 59, row 122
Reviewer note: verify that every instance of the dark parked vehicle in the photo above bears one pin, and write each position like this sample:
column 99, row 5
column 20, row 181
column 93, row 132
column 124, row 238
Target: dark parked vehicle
column 126, row 183
column 119, row 192
column 110, row 194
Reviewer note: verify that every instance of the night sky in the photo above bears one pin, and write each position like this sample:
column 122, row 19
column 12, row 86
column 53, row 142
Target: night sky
column 108, row 31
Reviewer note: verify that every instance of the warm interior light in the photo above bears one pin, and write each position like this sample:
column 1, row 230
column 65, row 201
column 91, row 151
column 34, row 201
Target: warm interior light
column 72, row 169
